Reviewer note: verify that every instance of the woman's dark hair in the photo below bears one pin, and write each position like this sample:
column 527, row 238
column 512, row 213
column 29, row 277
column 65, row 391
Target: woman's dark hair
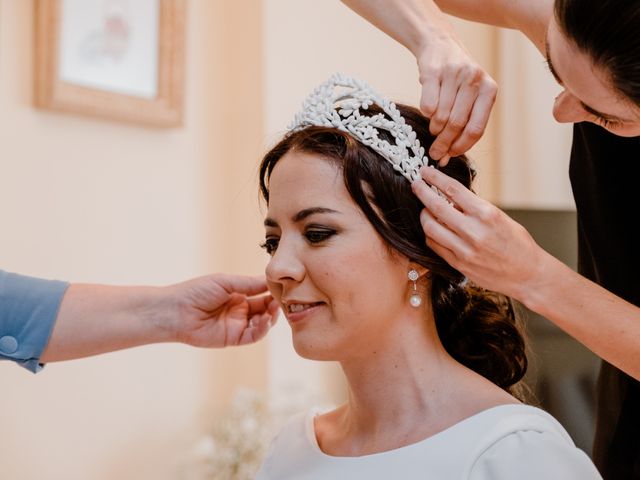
column 609, row 32
column 478, row 328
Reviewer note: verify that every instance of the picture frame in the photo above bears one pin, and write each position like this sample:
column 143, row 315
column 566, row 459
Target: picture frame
column 116, row 59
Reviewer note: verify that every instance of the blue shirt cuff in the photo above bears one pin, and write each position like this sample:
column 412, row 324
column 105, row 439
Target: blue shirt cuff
column 28, row 311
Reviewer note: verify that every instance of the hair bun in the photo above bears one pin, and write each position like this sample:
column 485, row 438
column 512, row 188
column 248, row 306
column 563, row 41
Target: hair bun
column 480, row 330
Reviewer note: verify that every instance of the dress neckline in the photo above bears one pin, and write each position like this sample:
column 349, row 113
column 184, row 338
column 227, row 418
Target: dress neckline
column 312, row 440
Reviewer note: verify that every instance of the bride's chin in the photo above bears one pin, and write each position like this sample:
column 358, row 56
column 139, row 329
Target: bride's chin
column 314, row 352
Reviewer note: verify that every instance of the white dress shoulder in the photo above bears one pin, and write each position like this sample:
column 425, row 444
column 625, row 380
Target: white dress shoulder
column 504, row 442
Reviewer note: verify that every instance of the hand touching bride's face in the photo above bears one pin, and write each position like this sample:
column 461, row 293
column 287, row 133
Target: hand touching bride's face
column 340, row 286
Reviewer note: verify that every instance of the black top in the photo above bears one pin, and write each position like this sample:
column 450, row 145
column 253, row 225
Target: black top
column 605, row 177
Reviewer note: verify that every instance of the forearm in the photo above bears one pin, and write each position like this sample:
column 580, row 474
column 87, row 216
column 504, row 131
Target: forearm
column 95, row 319
column 530, row 17
column 409, row 22
column 499, row 13
column 416, row 23
column 605, row 323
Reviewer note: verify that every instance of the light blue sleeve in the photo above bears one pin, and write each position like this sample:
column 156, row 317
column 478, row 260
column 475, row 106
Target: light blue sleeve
column 28, row 310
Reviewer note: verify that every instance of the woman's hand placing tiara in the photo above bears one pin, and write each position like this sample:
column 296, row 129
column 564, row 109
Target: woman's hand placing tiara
column 478, row 239
column 457, row 95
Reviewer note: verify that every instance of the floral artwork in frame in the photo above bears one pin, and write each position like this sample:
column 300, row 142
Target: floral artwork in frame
column 117, row 59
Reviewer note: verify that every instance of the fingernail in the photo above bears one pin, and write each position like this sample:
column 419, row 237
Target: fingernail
column 444, row 160
column 436, row 153
column 426, row 170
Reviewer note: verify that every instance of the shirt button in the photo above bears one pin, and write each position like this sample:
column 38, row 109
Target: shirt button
column 8, row 345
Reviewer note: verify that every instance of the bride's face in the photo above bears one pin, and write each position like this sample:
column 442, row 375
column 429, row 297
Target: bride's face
column 340, row 287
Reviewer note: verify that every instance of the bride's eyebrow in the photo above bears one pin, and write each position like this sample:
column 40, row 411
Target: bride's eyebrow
column 301, row 215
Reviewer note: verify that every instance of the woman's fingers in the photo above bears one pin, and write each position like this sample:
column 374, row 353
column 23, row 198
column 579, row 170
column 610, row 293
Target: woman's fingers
column 455, row 120
column 441, row 239
column 430, row 94
column 440, row 208
column 477, row 120
column 439, row 120
column 457, row 97
column 259, row 305
column 454, row 191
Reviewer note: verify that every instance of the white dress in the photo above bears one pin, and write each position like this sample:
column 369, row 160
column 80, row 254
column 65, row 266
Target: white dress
column 505, row 442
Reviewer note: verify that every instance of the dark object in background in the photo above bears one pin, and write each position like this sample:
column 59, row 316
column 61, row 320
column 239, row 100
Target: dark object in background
column 562, row 373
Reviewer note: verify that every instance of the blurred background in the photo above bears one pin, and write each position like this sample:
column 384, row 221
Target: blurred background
column 94, row 200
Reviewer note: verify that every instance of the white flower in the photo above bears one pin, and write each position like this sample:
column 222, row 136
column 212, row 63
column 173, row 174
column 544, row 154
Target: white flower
column 239, row 439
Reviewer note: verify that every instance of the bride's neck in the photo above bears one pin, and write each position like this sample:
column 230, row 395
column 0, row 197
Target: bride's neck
column 409, row 375
column 404, row 389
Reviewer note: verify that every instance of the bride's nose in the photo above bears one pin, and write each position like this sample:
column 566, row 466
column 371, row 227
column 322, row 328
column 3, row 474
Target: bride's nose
column 285, row 264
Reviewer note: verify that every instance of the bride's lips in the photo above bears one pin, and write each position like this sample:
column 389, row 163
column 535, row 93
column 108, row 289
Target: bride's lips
column 296, row 310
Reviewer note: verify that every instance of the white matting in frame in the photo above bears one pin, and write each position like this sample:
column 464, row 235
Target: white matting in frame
column 110, row 45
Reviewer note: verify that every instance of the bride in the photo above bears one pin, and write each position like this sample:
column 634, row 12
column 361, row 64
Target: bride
column 432, row 363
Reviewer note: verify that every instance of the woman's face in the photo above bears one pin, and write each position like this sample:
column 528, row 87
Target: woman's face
column 340, row 287
column 588, row 95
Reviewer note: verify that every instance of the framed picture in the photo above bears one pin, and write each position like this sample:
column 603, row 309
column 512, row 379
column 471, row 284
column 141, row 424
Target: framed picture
column 118, row 59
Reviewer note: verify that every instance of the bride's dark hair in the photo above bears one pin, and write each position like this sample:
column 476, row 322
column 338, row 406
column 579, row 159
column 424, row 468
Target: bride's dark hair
column 477, row 327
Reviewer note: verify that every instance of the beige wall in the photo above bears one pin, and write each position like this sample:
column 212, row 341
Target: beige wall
column 533, row 151
column 97, row 201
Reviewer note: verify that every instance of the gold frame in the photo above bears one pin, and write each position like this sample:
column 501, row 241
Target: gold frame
column 51, row 93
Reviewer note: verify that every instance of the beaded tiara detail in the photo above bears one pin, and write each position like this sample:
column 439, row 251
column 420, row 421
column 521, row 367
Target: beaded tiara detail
column 338, row 103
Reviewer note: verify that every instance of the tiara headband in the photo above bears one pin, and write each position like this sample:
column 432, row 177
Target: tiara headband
column 338, row 103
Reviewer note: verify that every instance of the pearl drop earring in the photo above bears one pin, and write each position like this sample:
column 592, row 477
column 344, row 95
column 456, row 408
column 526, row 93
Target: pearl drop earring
column 415, row 299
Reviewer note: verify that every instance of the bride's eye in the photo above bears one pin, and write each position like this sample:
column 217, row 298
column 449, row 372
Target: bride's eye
column 270, row 245
column 318, row 235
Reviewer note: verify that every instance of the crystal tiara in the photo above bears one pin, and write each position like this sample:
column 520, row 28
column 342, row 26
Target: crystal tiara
column 338, row 103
